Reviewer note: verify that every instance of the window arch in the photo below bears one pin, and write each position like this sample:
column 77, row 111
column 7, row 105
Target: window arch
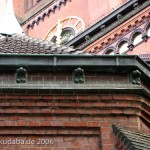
column 123, row 47
column 66, row 29
column 137, row 38
column 110, row 52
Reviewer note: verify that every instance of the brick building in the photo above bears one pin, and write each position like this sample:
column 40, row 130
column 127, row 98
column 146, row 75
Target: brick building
column 120, row 27
column 61, row 93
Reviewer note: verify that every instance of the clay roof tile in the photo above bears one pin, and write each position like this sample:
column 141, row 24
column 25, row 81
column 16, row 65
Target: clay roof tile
column 23, row 44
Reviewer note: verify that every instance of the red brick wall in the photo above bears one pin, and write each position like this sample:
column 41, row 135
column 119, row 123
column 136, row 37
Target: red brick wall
column 89, row 11
column 141, row 48
column 72, row 121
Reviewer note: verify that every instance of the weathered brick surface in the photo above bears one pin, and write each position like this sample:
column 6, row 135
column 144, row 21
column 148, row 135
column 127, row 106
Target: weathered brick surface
column 85, row 117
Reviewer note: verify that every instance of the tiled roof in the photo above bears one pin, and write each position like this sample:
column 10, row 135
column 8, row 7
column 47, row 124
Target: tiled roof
column 132, row 140
column 23, row 44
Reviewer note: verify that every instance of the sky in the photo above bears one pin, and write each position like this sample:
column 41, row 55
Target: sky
column 2, row 7
column 8, row 18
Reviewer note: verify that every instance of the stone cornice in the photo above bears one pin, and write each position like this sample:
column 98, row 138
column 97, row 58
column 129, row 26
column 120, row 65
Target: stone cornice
column 65, row 62
column 126, row 64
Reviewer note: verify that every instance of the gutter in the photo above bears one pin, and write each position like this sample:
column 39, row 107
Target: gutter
column 103, row 63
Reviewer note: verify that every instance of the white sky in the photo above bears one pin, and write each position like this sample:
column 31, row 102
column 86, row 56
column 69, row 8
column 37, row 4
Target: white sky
column 8, row 19
column 2, row 7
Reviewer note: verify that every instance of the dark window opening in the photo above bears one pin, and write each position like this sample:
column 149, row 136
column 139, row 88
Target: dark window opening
column 66, row 35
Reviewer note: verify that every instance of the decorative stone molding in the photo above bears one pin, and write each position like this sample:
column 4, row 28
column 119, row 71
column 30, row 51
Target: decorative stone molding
column 21, row 75
column 124, row 39
column 109, row 48
column 137, row 30
column 102, row 26
column 146, row 26
column 87, row 37
column 52, row 9
column 135, row 5
column 135, row 77
column 119, row 16
column 79, row 76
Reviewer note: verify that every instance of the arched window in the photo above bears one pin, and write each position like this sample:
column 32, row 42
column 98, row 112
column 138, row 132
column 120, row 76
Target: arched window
column 67, row 34
column 148, row 31
column 137, row 38
column 65, row 29
column 110, row 52
column 123, row 47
